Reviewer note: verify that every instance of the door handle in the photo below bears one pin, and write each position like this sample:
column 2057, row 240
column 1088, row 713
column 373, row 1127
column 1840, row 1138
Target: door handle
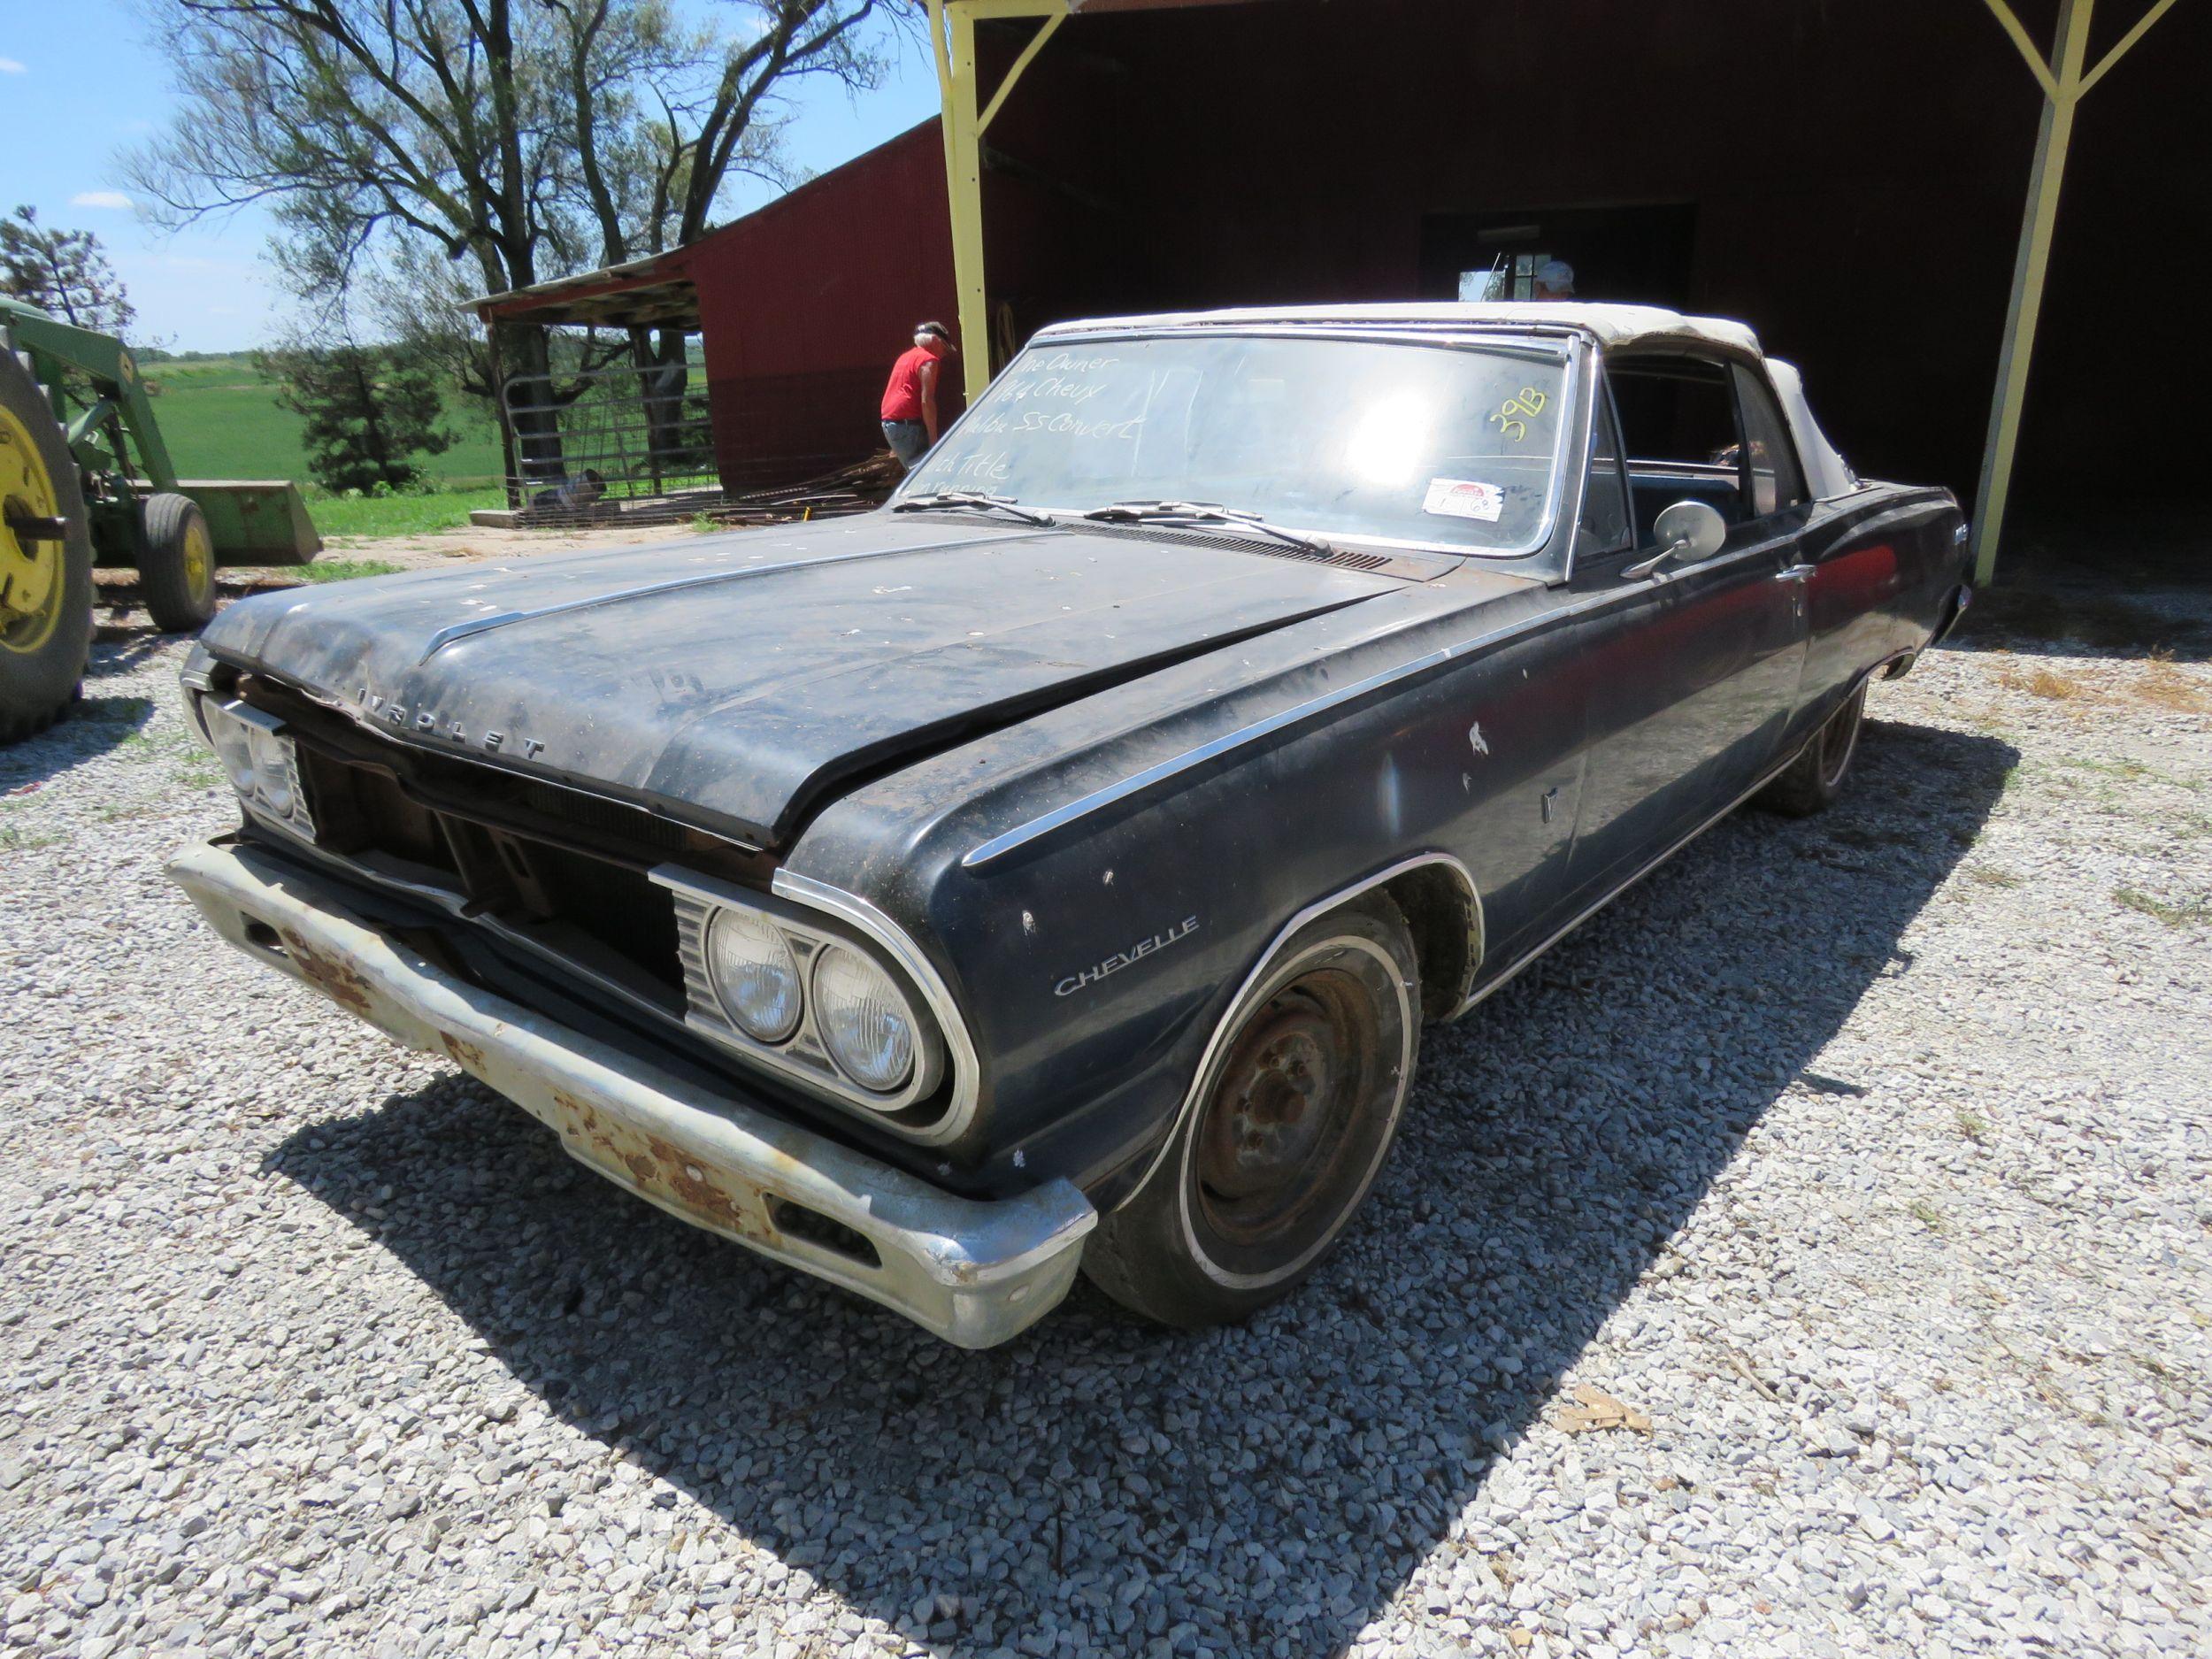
column 1793, row 574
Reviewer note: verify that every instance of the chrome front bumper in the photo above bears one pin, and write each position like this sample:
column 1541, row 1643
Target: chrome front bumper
column 975, row 1273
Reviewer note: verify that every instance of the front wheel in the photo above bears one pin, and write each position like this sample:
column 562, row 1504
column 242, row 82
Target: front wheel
column 1291, row 1124
column 1811, row 783
column 176, row 564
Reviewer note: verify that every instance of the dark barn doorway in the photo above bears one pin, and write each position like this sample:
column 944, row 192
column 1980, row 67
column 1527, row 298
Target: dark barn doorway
column 1641, row 254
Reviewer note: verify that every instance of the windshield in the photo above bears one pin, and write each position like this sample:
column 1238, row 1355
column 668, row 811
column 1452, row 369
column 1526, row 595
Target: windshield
column 1432, row 444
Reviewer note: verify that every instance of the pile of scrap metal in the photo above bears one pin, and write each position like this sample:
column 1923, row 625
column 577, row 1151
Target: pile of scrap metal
column 583, row 500
column 854, row 488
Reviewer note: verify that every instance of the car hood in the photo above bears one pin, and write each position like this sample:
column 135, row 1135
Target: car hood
column 738, row 680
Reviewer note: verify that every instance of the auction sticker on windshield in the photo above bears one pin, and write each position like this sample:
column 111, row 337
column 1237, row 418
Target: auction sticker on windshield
column 1464, row 498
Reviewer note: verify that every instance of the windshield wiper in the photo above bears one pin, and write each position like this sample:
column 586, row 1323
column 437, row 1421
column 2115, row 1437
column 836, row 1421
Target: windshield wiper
column 1202, row 514
column 975, row 501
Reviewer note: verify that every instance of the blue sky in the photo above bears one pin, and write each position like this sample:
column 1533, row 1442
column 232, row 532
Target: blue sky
column 82, row 81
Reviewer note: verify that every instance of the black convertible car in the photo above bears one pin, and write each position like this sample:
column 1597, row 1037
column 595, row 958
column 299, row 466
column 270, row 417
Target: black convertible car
column 1056, row 867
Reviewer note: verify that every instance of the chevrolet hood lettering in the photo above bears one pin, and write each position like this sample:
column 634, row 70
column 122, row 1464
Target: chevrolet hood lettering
column 742, row 679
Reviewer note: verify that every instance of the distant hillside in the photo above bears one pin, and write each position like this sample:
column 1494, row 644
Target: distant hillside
column 220, row 419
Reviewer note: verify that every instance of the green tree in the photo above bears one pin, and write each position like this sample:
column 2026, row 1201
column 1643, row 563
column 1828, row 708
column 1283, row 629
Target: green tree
column 63, row 271
column 519, row 141
column 369, row 410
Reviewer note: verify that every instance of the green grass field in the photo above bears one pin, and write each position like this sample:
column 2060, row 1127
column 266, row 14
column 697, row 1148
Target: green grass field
column 222, row 419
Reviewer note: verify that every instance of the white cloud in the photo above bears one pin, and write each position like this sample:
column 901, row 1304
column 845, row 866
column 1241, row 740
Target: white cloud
column 100, row 198
column 10, row 67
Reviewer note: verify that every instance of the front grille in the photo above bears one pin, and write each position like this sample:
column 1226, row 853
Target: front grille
column 602, row 915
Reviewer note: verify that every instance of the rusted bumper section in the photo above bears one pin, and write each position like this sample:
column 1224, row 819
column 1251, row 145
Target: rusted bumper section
column 975, row 1273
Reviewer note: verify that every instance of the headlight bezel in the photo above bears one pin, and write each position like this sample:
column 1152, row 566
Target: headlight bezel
column 932, row 1104
column 273, row 793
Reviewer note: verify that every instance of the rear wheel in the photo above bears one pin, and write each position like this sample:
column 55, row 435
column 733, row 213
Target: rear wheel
column 1291, row 1126
column 1812, row 782
column 176, row 564
column 45, row 560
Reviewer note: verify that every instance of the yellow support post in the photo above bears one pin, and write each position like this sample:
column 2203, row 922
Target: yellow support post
column 2063, row 83
column 952, row 41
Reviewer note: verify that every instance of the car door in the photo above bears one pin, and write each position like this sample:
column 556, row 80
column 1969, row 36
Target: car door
column 1694, row 667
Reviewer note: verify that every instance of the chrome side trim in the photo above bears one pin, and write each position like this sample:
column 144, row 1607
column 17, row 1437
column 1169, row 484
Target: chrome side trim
column 1021, row 835
column 1219, row 1038
column 1529, row 956
column 475, row 625
column 858, row 914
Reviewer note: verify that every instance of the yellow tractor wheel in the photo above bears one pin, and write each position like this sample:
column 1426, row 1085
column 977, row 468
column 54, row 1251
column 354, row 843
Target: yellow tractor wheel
column 45, row 560
column 176, row 564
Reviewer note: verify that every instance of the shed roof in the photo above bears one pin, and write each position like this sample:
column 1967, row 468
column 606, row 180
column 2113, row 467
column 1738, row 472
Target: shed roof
column 1611, row 325
column 654, row 292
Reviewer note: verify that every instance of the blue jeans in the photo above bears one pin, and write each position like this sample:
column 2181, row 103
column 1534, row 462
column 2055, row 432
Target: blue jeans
column 909, row 441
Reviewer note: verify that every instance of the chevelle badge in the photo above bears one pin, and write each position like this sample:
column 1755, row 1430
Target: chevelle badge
column 1121, row 959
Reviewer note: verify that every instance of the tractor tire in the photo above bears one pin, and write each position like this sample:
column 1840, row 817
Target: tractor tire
column 45, row 583
column 176, row 564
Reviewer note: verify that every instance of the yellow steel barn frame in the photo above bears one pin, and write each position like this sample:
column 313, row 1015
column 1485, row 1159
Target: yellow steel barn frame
column 2063, row 84
column 2064, row 78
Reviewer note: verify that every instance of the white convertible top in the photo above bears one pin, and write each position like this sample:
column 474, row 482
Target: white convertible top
column 1611, row 325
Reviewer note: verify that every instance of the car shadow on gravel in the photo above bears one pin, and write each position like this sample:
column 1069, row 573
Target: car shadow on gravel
column 1270, row 1486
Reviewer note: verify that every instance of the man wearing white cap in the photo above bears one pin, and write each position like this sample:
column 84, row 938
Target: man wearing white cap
column 1555, row 280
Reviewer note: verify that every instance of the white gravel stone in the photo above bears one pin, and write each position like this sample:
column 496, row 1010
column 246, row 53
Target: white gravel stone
column 1870, row 1155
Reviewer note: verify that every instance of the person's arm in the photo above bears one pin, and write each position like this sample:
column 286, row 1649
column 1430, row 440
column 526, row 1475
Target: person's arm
column 929, row 400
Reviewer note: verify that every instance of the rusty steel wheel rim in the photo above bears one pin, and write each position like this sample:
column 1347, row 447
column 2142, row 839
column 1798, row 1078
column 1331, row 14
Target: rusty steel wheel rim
column 1277, row 1126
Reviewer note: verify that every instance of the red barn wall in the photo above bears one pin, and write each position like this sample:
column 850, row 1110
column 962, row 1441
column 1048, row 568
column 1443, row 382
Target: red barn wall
column 804, row 306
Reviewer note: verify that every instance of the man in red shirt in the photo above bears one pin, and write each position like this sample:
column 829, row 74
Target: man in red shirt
column 910, row 403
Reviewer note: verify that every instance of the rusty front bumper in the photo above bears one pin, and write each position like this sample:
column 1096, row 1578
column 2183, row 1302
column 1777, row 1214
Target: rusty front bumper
column 975, row 1273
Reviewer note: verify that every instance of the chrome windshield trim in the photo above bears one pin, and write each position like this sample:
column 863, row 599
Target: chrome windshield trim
column 1563, row 347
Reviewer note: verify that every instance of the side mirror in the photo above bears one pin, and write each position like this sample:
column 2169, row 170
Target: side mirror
column 1688, row 531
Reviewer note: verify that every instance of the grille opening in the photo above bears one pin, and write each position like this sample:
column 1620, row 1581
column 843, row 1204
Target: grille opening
column 818, row 1229
column 261, row 936
column 578, row 903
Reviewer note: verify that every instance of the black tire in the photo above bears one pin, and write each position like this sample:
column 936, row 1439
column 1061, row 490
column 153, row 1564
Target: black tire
column 1290, row 1127
column 176, row 564
column 42, row 651
column 1814, row 779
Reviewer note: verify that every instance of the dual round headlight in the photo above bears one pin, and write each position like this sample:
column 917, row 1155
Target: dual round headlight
column 865, row 1023
column 755, row 975
column 258, row 759
column 861, row 1017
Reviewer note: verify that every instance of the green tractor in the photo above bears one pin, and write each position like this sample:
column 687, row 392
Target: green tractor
column 85, row 479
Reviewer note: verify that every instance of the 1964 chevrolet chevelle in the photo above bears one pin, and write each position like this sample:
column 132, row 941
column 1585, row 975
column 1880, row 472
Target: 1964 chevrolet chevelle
column 1056, row 867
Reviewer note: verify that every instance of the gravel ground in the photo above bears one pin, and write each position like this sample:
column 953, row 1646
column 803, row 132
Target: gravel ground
column 1867, row 1157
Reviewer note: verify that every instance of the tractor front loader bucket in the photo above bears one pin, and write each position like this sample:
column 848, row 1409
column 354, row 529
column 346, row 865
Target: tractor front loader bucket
column 256, row 521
